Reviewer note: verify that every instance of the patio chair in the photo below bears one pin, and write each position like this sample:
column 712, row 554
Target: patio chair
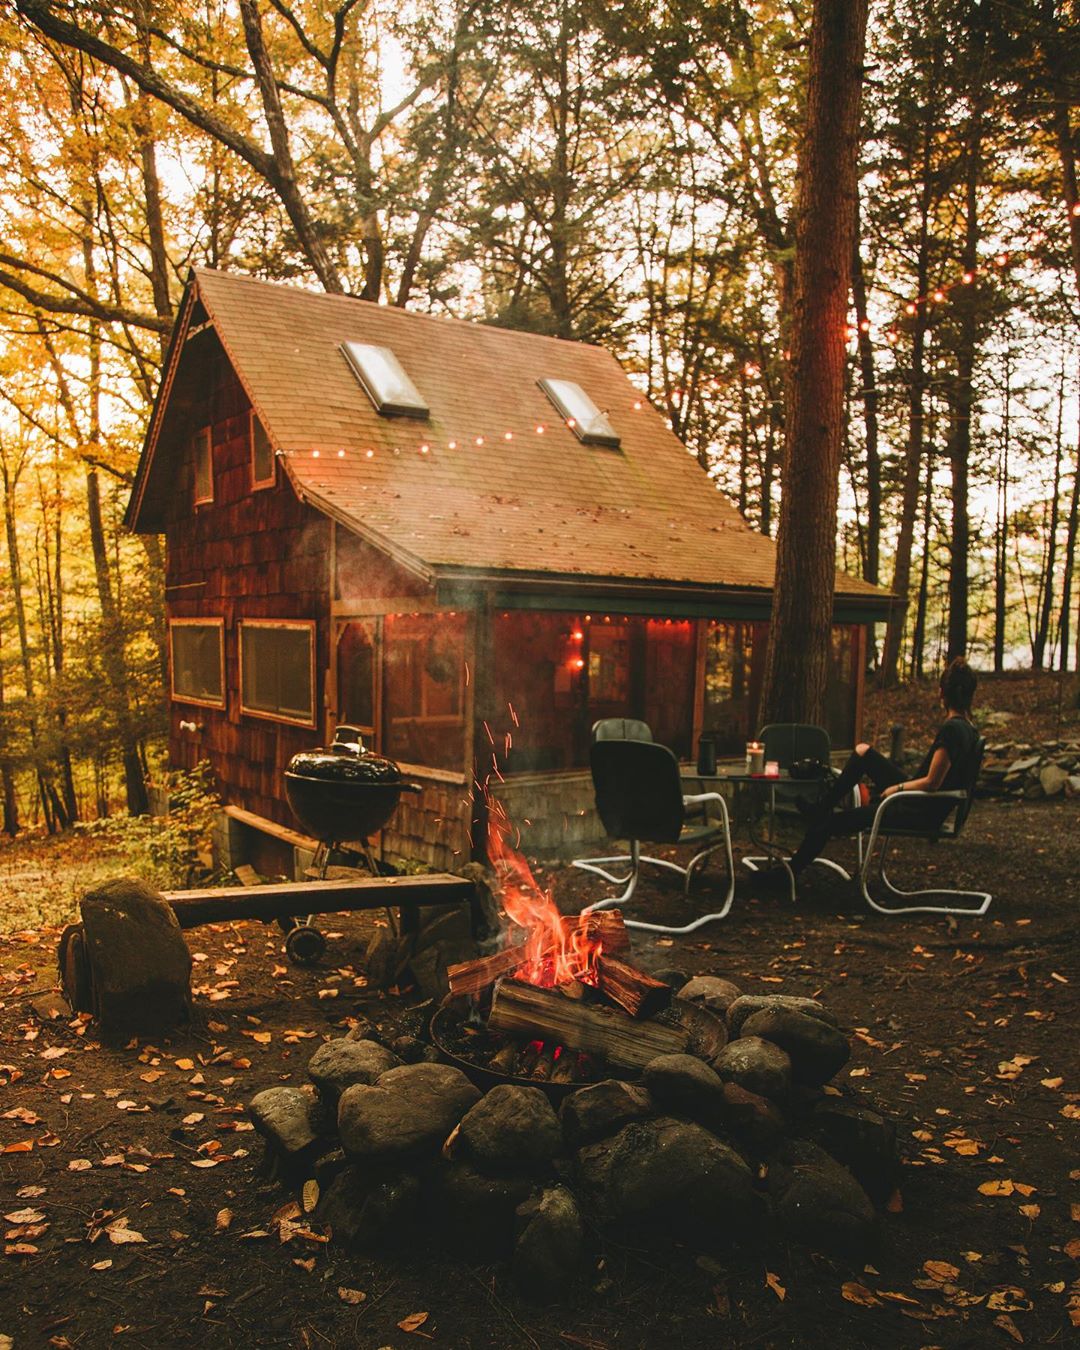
column 639, row 797
column 895, row 819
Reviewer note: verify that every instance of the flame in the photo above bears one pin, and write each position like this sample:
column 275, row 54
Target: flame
column 555, row 950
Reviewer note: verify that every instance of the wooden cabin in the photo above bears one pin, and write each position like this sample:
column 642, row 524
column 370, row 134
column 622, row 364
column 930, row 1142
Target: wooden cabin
column 469, row 542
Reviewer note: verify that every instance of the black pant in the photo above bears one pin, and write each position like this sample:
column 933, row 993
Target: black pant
column 881, row 772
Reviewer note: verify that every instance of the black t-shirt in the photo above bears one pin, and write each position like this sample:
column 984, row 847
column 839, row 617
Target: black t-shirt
column 959, row 739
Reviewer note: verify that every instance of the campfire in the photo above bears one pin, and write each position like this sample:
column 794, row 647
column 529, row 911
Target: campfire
column 558, row 1002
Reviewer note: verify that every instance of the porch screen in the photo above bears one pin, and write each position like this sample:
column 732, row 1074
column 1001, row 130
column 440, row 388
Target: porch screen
column 423, row 706
column 198, row 664
column 557, row 674
column 277, row 674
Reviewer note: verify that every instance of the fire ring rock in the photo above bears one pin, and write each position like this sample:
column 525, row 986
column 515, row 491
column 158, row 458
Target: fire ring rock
column 816, row 1049
column 820, row 1203
column 366, row 1210
column 550, row 1245
column 717, row 994
column 340, row 1063
column 748, row 1004
column 669, row 1173
column 685, row 1086
column 757, row 1065
column 408, row 1109
column 600, row 1109
column 284, row 1116
column 511, row 1126
column 140, row 964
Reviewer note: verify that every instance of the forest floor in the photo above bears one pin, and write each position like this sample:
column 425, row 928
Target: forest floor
column 963, row 1032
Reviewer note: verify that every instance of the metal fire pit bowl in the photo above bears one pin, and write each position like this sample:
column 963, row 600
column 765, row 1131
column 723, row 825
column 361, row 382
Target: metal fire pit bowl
column 708, row 1036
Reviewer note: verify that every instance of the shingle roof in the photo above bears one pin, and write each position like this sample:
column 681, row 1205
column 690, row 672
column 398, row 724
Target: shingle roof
column 491, row 493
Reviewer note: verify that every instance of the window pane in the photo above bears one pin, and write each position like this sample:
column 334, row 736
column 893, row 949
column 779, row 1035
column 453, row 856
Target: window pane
column 204, row 466
column 670, row 652
column 424, row 689
column 262, row 454
column 196, row 661
column 734, row 669
column 276, row 666
column 356, row 674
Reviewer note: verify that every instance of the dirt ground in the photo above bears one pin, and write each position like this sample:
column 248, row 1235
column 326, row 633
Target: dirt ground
column 963, row 1032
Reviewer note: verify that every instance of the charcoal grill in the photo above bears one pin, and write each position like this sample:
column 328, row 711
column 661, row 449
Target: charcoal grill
column 342, row 794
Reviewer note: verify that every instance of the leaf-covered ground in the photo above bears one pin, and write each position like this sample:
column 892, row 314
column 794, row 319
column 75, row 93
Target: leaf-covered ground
column 135, row 1207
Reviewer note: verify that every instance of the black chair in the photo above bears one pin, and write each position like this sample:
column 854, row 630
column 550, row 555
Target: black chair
column 639, row 797
column 930, row 816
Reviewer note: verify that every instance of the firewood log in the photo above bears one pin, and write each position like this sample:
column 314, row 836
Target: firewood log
column 632, row 989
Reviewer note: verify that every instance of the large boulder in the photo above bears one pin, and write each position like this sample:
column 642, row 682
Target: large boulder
column 863, row 1140
column 816, row 1049
column 286, row 1118
column 478, row 1211
column 140, row 964
column 410, row 1109
column 602, row 1108
column 550, row 1245
column 757, row 1065
column 341, row 1063
column 753, row 1123
column 669, row 1176
column 819, row 1203
column 511, row 1126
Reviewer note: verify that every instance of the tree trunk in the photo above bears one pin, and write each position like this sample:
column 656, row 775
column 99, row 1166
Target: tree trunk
column 872, row 549
column 1001, row 540
column 1046, row 606
column 798, row 656
column 918, row 633
column 1070, row 564
column 7, row 773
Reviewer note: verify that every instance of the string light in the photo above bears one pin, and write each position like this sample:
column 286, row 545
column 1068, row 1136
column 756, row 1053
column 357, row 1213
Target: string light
column 479, row 440
column 341, row 454
column 451, row 445
column 508, row 435
column 369, row 454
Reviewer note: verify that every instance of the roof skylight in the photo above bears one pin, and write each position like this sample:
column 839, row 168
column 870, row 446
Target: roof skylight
column 384, row 380
column 582, row 416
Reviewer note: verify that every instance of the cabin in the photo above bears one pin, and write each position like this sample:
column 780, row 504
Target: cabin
column 469, row 542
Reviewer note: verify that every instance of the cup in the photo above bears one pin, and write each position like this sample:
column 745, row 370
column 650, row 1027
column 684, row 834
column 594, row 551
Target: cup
column 772, row 768
column 706, row 756
column 755, row 757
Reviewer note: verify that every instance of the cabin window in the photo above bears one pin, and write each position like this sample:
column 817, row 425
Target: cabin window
column 560, row 673
column 277, row 669
column 202, row 453
column 423, row 703
column 383, row 379
column 197, row 661
column 580, row 413
column 262, row 456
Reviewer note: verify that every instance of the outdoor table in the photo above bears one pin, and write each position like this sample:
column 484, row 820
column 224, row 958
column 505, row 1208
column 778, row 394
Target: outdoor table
column 755, row 781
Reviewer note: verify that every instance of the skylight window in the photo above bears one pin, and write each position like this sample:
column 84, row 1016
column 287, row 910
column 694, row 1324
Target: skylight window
column 384, row 380
column 582, row 416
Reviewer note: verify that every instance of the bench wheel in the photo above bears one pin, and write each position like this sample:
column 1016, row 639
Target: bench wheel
column 304, row 945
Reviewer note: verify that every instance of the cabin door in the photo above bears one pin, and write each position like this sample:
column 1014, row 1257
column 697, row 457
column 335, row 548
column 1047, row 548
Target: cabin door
column 356, row 676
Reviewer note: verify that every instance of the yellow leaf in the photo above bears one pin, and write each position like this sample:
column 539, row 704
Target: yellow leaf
column 1031, row 1211
column 413, row 1321
column 773, row 1282
column 310, row 1195
column 223, row 1220
column 1024, row 1190
column 1074, row 1213
column 351, row 1295
column 1009, row 1299
column 941, row 1271
column 1071, row 1112
column 1000, row 1187
column 895, row 1297
column 305, row 1263
column 1009, row 1327
column 184, row 1063
column 1051, row 1082
column 858, row 1293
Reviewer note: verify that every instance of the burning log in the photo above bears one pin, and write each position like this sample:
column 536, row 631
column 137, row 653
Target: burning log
column 545, row 1063
column 605, row 927
column 572, row 989
column 503, row 1060
column 632, row 989
column 470, row 977
column 524, row 1010
column 527, row 1059
column 563, row 1069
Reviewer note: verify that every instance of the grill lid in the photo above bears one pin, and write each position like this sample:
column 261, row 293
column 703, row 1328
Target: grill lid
column 338, row 768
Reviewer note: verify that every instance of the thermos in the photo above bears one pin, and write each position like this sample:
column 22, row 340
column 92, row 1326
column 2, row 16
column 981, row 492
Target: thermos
column 706, row 756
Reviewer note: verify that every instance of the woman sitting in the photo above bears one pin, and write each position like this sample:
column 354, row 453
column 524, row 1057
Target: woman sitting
column 945, row 767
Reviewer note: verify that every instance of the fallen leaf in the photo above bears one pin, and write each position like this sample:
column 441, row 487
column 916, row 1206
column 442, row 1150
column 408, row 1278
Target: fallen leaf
column 895, row 1203
column 1009, row 1299
column 1052, row 1083
column 102, row 1265
column 858, row 1293
column 20, row 1249
column 223, row 1220
column 1009, row 1327
column 25, row 1216
column 1074, row 1212
column 80, row 1165
column 30, row 1192
column 310, row 1195
column 999, row 1187
column 305, row 1263
column 351, row 1295
column 1031, row 1211
column 773, row 1282
column 941, row 1271
column 22, row 1146
column 894, row 1297
column 184, row 1063
column 119, row 1232
column 413, row 1321
column 206, row 1162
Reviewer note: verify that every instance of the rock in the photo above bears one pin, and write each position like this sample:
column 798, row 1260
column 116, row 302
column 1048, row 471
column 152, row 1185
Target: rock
column 749, row 1004
column 550, row 1245
column 440, row 922
column 479, row 1211
column 363, row 1030
column 752, row 1122
column 429, row 965
column 816, row 1050
column 672, row 976
column 685, row 1086
column 818, row 1202
column 757, row 1065
column 595, row 1111
column 411, row 1050
column 366, row 1209
column 1052, row 779
column 409, row 1109
column 285, row 1117
column 380, row 960
column 670, row 1176
column 340, row 1063
column 1072, row 785
column 1019, row 766
column 511, row 1126
column 140, row 962
column 717, row 994
column 862, row 1140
